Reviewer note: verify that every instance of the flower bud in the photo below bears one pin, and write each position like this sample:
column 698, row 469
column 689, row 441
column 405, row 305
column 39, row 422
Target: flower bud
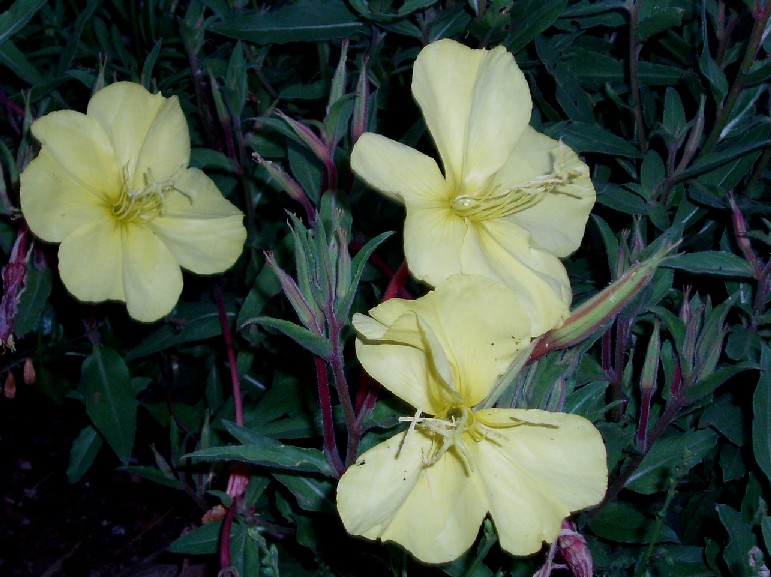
column 600, row 309
column 9, row 389
column 29, row 371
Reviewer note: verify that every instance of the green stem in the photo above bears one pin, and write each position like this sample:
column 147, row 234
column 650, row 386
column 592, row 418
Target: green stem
column 657, row 528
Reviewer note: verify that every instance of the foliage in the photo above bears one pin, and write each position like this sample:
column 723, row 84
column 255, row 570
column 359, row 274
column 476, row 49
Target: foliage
column 665, row 100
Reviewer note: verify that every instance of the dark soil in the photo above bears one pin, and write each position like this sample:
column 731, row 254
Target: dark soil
column 109, row 523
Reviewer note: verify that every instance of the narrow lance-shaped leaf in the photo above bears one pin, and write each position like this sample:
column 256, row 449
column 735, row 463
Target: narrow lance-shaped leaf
column 357, row 268
column 317, row 345
column 761, row 411
column 310, row 318
column 338, row 79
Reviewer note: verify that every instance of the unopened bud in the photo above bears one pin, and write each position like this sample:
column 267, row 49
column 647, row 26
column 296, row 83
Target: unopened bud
column 288, row 184
column 600, row 309
column 9, row 389
column 29, row 371
column 575, row 551
column 361, row 104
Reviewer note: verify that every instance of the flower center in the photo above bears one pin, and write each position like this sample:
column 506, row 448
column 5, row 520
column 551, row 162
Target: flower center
column 489, row 202
column 450, row 429
column 143, row 204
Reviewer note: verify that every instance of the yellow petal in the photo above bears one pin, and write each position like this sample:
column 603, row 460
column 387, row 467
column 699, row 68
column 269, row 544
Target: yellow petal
column 401, row 173
column 82, row 150
column 166, row 146
column 502, row 251
column 433, row 238
column 481, row 326
column 557, row 222
column 152, row 279
column 537, row 474
column 203, row 231
column 396, row 357
column 55, row 203
column 476, row 104
column 130, row 115
column 91, row 261
column 434, row 512
column 449, row 346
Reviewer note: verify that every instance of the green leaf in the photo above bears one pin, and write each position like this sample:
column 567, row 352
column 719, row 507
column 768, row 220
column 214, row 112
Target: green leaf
column 765, row 526
column 357, row 268
column 714, row 75
column 711, row 262
column 668, row 457
column 705, row 386
column 740, row 541
column 200, row 321
column 532, row 17
column 105, row 384
column 586, row 137
column 203, row 540
column 673, row 121
column 312, row 342
column 303, row 21
column 14, row 19
column 657, row 17
column 260, row 450
column 33, row 300
column 626, row 524
column 407, row 7
column 16, row 61
column 312, row 493
column 83, row 452
column 761, row 411
column 154, row 475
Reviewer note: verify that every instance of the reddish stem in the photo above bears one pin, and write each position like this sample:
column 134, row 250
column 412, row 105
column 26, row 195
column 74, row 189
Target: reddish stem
column 330, row 444
column 234, row 379
column 227, row 524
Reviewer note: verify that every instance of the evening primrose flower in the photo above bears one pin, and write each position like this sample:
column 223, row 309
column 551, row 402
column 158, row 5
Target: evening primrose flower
column 113, row 186
column 510, row 201
column 430, row 487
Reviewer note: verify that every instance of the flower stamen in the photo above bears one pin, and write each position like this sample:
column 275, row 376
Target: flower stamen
column 491, row 202
column 145, row 203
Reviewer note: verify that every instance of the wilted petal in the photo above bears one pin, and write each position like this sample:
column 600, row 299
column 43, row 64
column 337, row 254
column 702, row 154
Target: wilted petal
column 204, row 231
column 401, row 173
column 54, row 202
column 557, row 222
column 152, row 279
column 538, row 472
column 434, row 512
column 476, row 104
column 82, row 150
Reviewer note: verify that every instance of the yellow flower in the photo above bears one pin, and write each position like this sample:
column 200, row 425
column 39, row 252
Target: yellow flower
column 429, row 488
column 114, row 187
column 510, row 201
